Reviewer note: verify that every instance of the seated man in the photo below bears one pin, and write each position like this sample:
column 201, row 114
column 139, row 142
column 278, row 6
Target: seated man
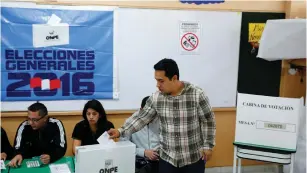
column 39, row 136
column 147, row 145
column 6, row 148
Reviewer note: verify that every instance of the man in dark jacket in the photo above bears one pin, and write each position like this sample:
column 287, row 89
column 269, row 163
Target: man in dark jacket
column 39, row 136
column 6, row 148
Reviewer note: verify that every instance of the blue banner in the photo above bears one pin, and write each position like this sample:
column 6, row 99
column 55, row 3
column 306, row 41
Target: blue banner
column 56, row 54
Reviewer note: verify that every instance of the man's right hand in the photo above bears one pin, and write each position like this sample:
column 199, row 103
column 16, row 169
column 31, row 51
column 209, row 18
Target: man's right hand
column 114, row 133
column 16, row 161
column 151, row 155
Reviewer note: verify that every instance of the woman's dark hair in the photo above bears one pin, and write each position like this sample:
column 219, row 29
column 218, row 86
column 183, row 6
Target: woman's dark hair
column 97, row 106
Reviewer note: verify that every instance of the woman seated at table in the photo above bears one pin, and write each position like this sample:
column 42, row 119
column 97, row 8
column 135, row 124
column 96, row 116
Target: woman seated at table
column 6, row 148
column 95, row 123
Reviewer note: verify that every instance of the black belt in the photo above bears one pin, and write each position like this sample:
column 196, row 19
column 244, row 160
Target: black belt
column 153, row 162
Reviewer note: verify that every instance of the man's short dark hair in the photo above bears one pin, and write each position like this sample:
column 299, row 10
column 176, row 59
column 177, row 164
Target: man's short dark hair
column 144, row 101
column 38, row 107
column 169, row 66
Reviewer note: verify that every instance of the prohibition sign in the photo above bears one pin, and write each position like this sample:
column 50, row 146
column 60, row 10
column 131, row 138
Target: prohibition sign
column 189, row 41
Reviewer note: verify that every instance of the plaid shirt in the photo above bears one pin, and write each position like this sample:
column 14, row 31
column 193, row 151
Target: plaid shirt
column 187, row 124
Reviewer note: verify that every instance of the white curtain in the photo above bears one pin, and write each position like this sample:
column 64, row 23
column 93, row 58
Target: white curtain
column 300, row 155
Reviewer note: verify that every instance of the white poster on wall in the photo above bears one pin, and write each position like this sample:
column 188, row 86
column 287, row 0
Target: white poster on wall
column 268, row 122
column 189, row 36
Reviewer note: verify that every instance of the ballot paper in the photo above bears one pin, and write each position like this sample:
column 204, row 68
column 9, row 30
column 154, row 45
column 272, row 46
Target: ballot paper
column 104, row 139
column 59, row 168
column 2, row 164
column 54, row 19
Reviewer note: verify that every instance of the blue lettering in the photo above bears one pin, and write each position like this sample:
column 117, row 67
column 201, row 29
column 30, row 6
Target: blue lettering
column 42, row 65
column 81, row 55
column 10, row 65
column 13, row 89
column 21, row 65
column 90, row 65
column 71, row 55
column 81, row 65
column 90, row 55
column 70, row 66
column 31, row 65
column 46, row 52
column 28, row 54
column 54, row 55
column 51, row 64
column 9, row 54
column 62, row 64
column 36, row 52
column 61, row 54
column 16, row 55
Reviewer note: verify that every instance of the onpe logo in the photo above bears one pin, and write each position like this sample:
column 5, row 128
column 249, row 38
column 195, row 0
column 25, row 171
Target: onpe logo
column 109, row 168
column 52, row 36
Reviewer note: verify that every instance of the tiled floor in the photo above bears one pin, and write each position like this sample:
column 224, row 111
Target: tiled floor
column 246, row 169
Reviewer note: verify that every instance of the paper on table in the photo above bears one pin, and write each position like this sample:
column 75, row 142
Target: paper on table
column 59, row 168
column 2, row 164
column 104, row 139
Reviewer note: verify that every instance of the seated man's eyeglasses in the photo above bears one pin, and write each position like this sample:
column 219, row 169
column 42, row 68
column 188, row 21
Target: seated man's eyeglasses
column 35, row 120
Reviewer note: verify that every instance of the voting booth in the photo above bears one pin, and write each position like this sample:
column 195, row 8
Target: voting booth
column 117, row 157
column 266, row 129
column 286, row 40
column 283, row 39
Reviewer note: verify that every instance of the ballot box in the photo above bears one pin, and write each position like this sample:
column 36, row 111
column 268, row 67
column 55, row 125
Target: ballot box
column 118, row 157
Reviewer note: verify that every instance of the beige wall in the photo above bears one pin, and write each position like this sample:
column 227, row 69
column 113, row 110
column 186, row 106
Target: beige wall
column 290, row 85
column 223, row 152
column 267, row 6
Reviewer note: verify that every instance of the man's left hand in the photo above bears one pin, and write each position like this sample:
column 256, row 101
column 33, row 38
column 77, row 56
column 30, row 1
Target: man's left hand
column 207, row 155
column 3, row 156
column 45, row 158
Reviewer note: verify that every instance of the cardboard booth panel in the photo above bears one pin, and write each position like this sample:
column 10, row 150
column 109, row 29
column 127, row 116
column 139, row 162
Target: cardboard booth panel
column 283, row 39
column 269, row 122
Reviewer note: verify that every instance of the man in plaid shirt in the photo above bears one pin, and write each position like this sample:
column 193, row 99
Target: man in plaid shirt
column 187, row 122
